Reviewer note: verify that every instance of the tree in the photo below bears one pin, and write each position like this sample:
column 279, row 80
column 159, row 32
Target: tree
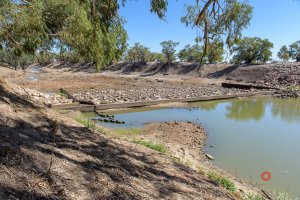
column 195, row 53
column 168, row 50
column 284, row 53
column 294, row 51
column 252, row 50
column 215, row 51
column 138, row 53
column 190, row 53
column 155, row 56
column 218, row 20
column 91, row 29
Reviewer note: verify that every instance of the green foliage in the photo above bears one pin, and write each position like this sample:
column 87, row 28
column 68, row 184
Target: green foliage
column 196, row 53
column 214, row 20
column 138, row 53
column 157, row 147
column 23, row 60
column 168, row 50
column 159, row 7
column 215, row 51
column 225, row 182
column 154, row 56
column 284, row 53
column 128, row 131
column 141, row 53
column 190, row 53
column 252, row 50
column 294, row 51
column 72, row 26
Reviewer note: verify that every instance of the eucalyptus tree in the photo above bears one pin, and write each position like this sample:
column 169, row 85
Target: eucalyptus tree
column 294, row 51
column 284, row 53
column 218, row 19
column 196, row 53
column 138, row 53
column 190, row 53
column 252, row 50
column 168, row 50
column 92, row 29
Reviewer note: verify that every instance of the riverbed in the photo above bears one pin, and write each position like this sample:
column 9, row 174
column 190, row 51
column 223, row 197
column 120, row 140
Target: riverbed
column 245, row 136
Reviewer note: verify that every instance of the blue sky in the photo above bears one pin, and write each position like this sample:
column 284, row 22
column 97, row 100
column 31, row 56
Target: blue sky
column 277, row 20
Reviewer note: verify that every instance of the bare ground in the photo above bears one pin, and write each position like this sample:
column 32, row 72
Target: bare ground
column 44, row 155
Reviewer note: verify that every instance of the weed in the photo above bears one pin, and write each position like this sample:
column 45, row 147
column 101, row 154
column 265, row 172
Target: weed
column 128, row 131
column 201, row 171
column 254, row 197
column 225, row 182
column 155, row 146
column 280, row 196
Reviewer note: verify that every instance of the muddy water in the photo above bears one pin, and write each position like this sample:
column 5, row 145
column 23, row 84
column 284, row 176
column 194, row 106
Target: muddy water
column 246, row 136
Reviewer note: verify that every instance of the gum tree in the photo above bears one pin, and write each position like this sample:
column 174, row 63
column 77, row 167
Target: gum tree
column 218, row 19
column 284, row 53
column 294, row 51
column 252, row 50
column 168, row 50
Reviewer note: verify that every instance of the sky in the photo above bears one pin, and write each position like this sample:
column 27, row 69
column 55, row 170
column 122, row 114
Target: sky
column 276, row 20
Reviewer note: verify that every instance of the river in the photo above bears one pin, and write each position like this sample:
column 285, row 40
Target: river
column 245, row 136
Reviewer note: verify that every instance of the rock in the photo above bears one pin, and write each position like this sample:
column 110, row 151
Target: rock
column 209, row 157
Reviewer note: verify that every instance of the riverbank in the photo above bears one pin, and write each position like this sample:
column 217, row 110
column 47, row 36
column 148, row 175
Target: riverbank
column 182, row 142
column 47, row 142
column 45, row 155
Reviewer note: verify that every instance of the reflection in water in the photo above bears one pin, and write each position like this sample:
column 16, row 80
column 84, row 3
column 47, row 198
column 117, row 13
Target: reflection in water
column 248, row 136
column 286, row 109
column 246, row 109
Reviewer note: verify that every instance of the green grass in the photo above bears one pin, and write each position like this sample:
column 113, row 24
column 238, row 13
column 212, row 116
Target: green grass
column 90, row 124
column 128, row 131
column 155, row 146
column 225, row 182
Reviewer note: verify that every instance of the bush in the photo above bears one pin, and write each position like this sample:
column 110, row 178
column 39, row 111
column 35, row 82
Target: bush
column 23, row 61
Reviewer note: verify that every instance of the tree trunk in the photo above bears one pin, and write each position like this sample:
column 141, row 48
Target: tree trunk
column 97, row 66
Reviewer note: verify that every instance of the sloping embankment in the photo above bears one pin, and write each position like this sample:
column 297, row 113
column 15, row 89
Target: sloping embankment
column 46, row 156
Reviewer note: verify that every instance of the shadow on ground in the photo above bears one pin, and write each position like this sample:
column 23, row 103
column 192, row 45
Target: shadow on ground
column 43, row 157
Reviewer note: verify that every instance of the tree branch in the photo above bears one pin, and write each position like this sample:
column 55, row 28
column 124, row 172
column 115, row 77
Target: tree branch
column 203, row 13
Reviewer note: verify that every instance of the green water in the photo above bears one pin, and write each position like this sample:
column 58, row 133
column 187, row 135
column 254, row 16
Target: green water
column 248, row 136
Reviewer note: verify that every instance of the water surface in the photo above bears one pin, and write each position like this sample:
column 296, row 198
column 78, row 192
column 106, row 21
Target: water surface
column 249, row 136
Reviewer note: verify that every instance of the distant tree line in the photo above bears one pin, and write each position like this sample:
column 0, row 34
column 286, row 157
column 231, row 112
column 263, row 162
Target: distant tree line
column 247, row 50
column 93, row 31
column 290, row 53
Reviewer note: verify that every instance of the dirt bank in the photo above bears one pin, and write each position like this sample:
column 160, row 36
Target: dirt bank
column 47, row 156
column 103, row 88
column 185, row 142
